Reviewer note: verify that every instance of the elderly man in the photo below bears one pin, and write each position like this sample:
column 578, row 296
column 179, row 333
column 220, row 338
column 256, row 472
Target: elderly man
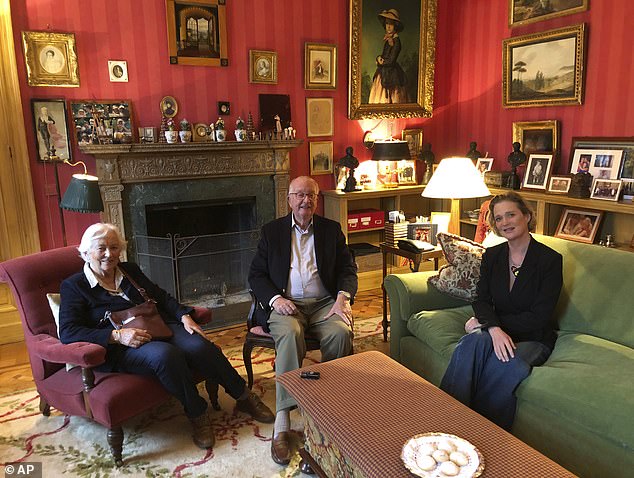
column 304, row 274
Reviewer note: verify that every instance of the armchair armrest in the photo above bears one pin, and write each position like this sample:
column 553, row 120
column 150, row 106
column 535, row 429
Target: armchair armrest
column 84, row 354
column 202, row 315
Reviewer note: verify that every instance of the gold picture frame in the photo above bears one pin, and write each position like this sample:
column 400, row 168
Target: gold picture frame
column 321, row 160
column 320, row 66
column 414, row 138
column 168, row 106
column 319, row 117
column 263, row 67
column 537, row 136
column 191, row 47
column 417, row 42
column 532, row 63
column 200, row 131
column 523, row 12
column 51, row 59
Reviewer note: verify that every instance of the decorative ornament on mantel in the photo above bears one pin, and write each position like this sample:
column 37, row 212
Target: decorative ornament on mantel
column 186, row 132
column 241, row 134
column 221, row 133
column 171, row 135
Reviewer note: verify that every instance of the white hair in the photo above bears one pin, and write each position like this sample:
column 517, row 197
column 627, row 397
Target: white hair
column 95, row 232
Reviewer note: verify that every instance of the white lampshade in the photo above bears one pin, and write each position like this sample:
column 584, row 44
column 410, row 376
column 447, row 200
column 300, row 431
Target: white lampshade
column 456, row 178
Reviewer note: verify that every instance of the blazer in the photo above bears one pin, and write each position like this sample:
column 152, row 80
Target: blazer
column 526, row 311
column 270, row 268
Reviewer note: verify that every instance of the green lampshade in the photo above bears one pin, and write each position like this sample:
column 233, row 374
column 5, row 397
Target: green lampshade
column 390, row 150
column 82, row 194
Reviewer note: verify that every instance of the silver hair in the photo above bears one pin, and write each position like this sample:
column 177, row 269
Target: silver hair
column 96, row 232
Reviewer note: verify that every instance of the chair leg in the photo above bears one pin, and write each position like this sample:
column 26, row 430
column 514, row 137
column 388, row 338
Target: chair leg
column 115, row 440
column 247, row 348
column 212, row 391
column 45, row 408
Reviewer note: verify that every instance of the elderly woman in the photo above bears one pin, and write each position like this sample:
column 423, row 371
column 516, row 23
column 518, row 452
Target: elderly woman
column 104, row 285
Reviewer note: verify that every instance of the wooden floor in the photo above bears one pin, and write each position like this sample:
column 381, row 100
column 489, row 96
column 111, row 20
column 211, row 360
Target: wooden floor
column 15, row 371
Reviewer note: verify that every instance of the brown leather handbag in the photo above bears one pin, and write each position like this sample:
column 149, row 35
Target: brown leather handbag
column 143, row 316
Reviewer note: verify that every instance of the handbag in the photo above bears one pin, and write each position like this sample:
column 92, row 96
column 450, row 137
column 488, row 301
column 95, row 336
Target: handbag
column 143, row 316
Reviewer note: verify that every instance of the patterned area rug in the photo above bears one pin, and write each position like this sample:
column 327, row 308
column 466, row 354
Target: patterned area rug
column 158, row 444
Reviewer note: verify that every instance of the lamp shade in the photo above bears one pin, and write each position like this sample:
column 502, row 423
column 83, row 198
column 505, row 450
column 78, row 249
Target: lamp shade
column 456, row 178
column 82, row 194
column 390, row 150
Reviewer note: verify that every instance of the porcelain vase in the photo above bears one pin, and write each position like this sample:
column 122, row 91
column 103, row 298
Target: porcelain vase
column 186, row 136
column 221, row 135
column 241, row 135
column 171, row 136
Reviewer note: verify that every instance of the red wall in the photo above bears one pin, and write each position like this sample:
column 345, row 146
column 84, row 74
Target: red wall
column 468, row 76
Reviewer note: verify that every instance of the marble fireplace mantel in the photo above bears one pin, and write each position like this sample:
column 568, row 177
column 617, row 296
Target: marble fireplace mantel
column 125, row 164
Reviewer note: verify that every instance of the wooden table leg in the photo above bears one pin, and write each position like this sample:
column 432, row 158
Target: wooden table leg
column 309, row 466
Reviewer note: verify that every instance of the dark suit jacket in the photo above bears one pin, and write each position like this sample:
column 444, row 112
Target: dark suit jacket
column 82, row 308
column 271, row 265
column 526, row 311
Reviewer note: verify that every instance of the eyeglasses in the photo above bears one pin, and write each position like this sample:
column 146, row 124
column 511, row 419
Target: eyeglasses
column 302, row 196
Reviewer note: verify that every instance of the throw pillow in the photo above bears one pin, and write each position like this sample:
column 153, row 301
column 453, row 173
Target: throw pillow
column 54, row 301
column 460, row 275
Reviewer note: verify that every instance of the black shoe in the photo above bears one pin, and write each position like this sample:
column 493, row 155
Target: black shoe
column 256, row 408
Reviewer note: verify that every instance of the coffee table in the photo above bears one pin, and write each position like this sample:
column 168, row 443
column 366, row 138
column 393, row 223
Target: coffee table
column 365, row 407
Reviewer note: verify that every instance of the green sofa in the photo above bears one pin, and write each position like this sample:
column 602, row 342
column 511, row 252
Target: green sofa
column 577, row 408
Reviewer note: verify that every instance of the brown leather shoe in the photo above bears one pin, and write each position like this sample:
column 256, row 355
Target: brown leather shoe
column 256, row 408
column 203, row 432
column 281, row 448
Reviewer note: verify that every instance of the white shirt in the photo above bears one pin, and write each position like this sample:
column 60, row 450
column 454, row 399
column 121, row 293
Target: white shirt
column 94, row 281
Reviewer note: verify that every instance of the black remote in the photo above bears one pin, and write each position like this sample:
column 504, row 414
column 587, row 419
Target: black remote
column 310, row 375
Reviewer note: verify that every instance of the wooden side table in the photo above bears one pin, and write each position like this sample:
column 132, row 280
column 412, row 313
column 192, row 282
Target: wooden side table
column 415, row 259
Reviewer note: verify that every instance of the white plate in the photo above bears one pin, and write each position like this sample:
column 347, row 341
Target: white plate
column 419, row 446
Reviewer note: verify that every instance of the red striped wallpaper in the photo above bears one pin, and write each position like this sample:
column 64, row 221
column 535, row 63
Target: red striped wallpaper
column 468, row 76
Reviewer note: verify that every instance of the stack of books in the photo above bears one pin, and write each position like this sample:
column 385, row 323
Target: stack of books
column 395, row 231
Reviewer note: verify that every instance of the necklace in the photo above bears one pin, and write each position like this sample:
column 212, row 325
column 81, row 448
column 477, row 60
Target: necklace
column 515, row 270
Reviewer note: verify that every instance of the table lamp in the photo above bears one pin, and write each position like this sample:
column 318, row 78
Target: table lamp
column 456, row 178
column 391, row 150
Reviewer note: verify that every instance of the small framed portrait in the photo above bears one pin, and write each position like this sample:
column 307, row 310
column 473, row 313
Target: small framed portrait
column 537, row 136
column 559, row 184
column 51, row 59
column 414, row 138
column 321, row 157
column 51, row 132
column 224, row 108
column 102, row 121
column 628, row 189
column 423, row 231
column 484, row 164
column 118, row 71
column 538, row 169
column 579, row 225
column 320, row 66
column 601, row 163
column 199, row 134
column 606, row 189
column 262, row 67
column 407, row 172
column 147, row 134
column 169, row 106
column 319, row 117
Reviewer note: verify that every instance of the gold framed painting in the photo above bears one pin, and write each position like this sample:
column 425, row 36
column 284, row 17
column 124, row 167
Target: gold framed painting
column 320, row 66
column 522, row 12
column 51, row 59
column 537, row 136
column 197, row 32
column 321, row 157
column 319, row 117
column 414, row 138
column 391, row 59
column 262, row 67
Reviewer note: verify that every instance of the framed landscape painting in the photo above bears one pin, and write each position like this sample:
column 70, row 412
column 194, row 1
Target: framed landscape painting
column 391, row 58
column 544, row 69
column 522, row 12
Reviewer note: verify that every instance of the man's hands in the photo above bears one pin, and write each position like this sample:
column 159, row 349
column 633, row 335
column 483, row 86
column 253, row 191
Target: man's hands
column 342, row 308
column 284, row 306
column 502, row 344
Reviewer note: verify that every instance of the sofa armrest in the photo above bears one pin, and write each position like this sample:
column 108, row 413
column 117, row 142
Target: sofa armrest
column 408, row 294
column 50, row 349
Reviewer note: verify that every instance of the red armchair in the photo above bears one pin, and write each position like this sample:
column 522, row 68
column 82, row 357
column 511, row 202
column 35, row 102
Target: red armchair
column 107, row 398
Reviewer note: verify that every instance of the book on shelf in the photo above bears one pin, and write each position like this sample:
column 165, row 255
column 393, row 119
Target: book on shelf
column 395, row 231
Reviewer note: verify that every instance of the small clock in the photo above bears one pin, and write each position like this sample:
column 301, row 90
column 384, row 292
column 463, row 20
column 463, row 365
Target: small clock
column 200, row 132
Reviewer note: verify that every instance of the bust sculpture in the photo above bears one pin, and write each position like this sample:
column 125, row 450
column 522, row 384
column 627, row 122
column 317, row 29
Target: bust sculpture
column 350, row 162
column 428, row 156
column 515, row 159
column 473, row 154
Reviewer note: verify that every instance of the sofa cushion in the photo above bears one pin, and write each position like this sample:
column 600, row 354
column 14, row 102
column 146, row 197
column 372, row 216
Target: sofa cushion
column 54, row 301
column 440, row 329
column 587, row 381
column 460, row 275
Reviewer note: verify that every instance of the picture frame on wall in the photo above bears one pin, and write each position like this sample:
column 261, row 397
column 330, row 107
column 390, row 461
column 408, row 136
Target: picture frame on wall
column 321, row 160
column 118, row 71
column 559, row 184
column 414, row 138
column 50, row 58
column 197, row 32
column 606, row 189
column 51, row 130
column 102, row 121
column 537, row 136
column 538, row 170
column 413, row 91
column 320, row 66
column 533, row 64
column 579, row 225
column 601, row 163
column 319, row 117
column 263, row 67
column 168, row 106
column 522, row 12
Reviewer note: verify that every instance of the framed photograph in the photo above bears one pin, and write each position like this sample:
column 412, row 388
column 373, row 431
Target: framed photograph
column 262, row 67
column 579, row 225
column 319, row 117
column 601, row 163
column 423, row 231
column 224, row 108
column 606, row 189
column 169, row 106
column 625, row 144
column 628, row 189
column 407, row 172
column 118, row 71
column 51, row 59
column 51, row 132
column 197, row 32
column 537, row 136
column 442, row 219
column 320, row 66
column 544, row 69
column 321, row 157
column 522, row 12
column 484, row 164
column 397, row 44
column 538, row 169
column 559, row 184
column 147, row 134
column 102, row 121
column 414, row 138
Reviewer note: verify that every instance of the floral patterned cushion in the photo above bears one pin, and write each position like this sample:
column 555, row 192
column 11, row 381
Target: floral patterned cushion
column 460, row 275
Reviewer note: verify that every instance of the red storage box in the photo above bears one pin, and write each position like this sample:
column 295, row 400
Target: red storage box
column 365, row 219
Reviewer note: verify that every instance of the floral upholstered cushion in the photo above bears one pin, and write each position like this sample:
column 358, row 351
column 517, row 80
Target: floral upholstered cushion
column 460, row 275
